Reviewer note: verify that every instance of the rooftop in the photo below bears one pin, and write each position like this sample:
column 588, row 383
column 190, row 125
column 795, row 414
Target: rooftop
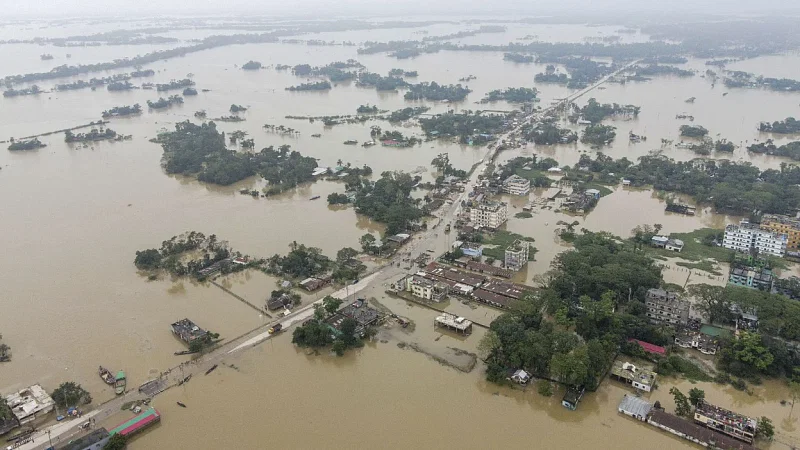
column 85, row 441
column 491, row 297
column 727, row 417
column 512, row 290
column 453, row 321
column 696, row 431
column 650, row 348
column 29, row 401
column 635, row 406
column 362, row 313
column 187, row 330
column 634, row 373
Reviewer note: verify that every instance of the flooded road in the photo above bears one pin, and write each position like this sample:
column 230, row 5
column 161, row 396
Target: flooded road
column 72, row 218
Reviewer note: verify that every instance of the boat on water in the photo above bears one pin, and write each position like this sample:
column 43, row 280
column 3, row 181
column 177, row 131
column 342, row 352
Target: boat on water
column 181, row 404
column 120, row 383
column 350, row 142
column 314, row 197
column 106, row 375
column 185, row 380
column 211, row 369
column 368, row 144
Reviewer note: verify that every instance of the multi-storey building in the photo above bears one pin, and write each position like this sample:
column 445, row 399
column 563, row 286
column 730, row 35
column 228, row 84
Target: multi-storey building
column 783, row 225
column 666, row 307
column 516, row 185
column 725, row 421
column 489, row 215
column 747, row 236
column 426, row 289
column 516, row 255
column 752, row 277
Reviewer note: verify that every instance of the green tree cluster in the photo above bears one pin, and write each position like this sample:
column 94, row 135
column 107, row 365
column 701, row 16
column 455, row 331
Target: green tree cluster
column 437, row 92
column 300, row 262
column 466, row 126
column 69, row 394
column 598, row 134
column 511, row 95
column 693, row 131
column 788, row 126
column 595, row 111
column 388, row 200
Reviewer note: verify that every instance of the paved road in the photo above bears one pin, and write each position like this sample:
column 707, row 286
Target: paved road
column 433, row 239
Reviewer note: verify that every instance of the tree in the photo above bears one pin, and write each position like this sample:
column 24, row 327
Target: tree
column 696, row 396
column 346, row 254
column 571, row 368
column 682, row 406
column 711, row 302
column 147, row 259
column 794, row 391
column 331, row 304
column 367, row 242
column 765, row 428
column 488, row 344
column 70, row 394
column 117, row 442
column 750, row 349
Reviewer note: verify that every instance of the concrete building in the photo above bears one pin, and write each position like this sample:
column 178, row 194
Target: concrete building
column 454, row 323
column 30, row 403
column 751, row 277
column 747, row 236
column 725, row 421
column 789, row 226
column 674, row 245
column 666, row 307
column 489, row 215
column 516, row 185
column 427, row 289
column 638, row 377
column 516, row 255
column 92, row 441
column 634, row 407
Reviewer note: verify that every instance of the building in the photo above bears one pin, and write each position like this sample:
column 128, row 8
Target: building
column 146, row 419
column 489, row 215
column 427, row 289
column 705, row 344
column 454, row 323
column 789, row 226
column 516, row 185
column 30, row 403
column 666, row 307
column 634, row 407
column 659, row 241
column 746, row 236
column 724, row 421
column 639, row 378
column 653, row 349
column 187, row 331
column 593, row 193
column 675, row 245
column 751, row 277
column 472, row 250
column 516, row 255
column 95, row 440
column 476, row 266
column 520, row 377
column 694, row 432
column 496, row 300
column 313, row 283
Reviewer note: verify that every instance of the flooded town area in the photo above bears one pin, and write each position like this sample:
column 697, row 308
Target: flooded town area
column 460, row 232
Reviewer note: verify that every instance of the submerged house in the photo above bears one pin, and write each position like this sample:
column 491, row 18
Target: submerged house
column 572, row 397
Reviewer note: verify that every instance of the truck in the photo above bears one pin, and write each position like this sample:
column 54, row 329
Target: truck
column 275, row 328
column 447, row 228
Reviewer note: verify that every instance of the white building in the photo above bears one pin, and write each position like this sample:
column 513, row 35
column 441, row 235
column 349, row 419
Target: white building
column 516, row 185
column 30, row 403
column 516, row 255
column 489, row 215
column 426, row 289
column 745, row 236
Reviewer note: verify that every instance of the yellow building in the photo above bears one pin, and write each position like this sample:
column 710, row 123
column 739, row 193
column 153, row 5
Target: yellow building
column 784, row 225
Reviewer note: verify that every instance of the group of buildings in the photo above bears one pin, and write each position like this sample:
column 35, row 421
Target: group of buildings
column 711, row 426
column 436, row 281
column 746, row 237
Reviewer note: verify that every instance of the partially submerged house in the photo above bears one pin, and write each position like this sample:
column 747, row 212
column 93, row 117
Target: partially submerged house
column 634, row 407
column 638, row 377
column 187, row 331
column 572, row 397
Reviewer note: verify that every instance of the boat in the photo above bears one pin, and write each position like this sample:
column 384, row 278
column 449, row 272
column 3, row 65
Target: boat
column 120, row 383
column 314, row 197
column 350, row 142
column 106, row 375
column 368, row 144
column 275, row 328
column 181, row 404
column 184, row 352
column 316, row 135
column 185, row 380
column 211, row 369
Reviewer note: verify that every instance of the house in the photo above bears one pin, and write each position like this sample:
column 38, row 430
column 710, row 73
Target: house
column 694, row 432
column 724, row 421
column 650, row 348
column 706, row 344
column 634, row 407
column 747, row 236
column 789, row 226
column 490, row 269
column 572, row 397
column 659, row 241
column 666, row 307
column 520, row 377
column 516, row 185
column 626, row 182
column 472, row 250
column 399, row 238
column 516, row 255
column 313, row 283
column 554, row 170
column 751, row 277
column 593, row 193
column 675, row 245
column 427, row 289
column 638, row 377
column 30, row 403
column 454, row 323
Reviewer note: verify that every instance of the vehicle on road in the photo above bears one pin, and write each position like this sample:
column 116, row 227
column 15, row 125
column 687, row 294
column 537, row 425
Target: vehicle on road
column 275, row 328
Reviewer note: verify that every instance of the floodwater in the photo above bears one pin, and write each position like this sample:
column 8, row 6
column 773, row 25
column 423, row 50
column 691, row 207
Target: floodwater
column 73, row 218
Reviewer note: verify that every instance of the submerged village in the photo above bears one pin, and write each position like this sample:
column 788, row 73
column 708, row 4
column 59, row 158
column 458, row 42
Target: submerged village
column 542, row 239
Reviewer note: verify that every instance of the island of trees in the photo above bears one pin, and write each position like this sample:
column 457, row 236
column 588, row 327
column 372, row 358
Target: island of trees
column 550, row 76
column 95, row 134
column 189, row 91
column 317, row 86
column 788, row 126
column 163, row 103
column 403, row 73
column 367, row 109
column 174, row 84
column 595, row 112
column 518, row 58
column 657, row 69
column 467, row 127
column 30, row 144
column 598, row 134
column 189, row 254
column 789, row 150
column 693, row 131
column 122, row 111
column 436, row 92
column 549, row 133
column 388, row 200
column 251, row 65
column 236, row 109
column 120, row 86
column 11, row 92
column 512, row 95
column 739, row 79
column 316, row 333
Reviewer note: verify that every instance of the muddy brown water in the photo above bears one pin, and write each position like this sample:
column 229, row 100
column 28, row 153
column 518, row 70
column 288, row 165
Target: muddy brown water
column 72, row 218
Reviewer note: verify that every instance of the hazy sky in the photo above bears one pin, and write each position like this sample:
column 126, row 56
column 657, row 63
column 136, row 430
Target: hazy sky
column 327, row 8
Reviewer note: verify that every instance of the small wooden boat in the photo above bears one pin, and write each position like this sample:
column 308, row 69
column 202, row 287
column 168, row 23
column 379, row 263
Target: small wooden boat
column 184, row 352
column 120, row 383
column 181, row 404
column 185, row 380
column 211, row 369
column 106, row 375
column 314, row 197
